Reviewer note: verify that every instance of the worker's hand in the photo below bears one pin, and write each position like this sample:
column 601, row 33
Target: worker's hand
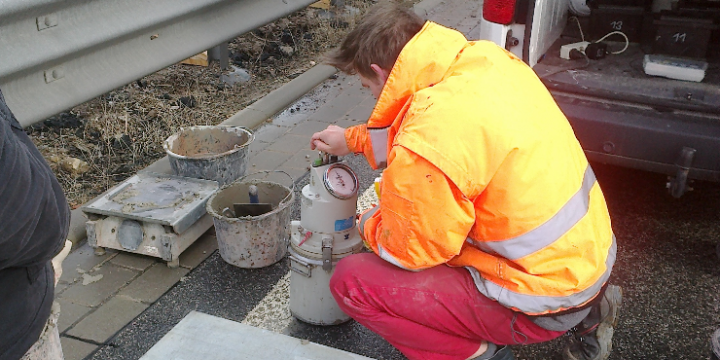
column 59, row 258
column 331, row 141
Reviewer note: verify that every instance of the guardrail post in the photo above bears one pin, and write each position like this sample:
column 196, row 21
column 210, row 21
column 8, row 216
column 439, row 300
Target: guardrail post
column 220, row 53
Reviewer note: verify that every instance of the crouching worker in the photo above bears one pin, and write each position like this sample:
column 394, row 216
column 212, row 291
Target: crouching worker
column 492, row 229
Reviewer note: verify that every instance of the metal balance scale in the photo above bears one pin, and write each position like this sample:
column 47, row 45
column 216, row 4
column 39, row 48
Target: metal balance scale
column 325, row 234
column 150, row 214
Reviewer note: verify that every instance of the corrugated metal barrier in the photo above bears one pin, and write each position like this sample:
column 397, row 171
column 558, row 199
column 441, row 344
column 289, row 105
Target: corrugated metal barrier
column 55, row 54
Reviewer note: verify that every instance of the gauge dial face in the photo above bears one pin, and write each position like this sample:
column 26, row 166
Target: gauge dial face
column 340, row 181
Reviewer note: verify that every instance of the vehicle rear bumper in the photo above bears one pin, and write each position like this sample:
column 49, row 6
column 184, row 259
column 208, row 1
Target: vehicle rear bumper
column 644, row 138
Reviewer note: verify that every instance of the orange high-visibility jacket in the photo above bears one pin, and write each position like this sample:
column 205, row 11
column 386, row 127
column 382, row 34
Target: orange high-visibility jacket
column 484, row 172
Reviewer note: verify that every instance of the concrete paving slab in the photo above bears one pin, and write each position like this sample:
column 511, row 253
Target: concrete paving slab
column 474, row 33
column 97, row 291
column 308, row 128
column 70, row 313
column 303, row 158
column 199, row 250
column 273, row 312
column 75, row 349
column 296, row 114
column 427, row 7
column 290, row 143
column 283, row 179
column 257, row 147
column 107, row 320
column 309, row 103
column 451, row 13
column 347, row 122
column 267, row 160
column 296, row 173
column 215, row 287
column 270, row 131
column 83, row 258
column 467, row 25
column 198, row 335
column 339, row 108
column 154, row 282
column 352, row 87
column 133, row 261
column 332, row 111
column 363, row 110
column 290, row 118
column 456, row 14
column 60, row 287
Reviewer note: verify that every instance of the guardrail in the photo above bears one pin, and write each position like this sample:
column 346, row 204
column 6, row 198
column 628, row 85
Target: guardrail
column 55, row 54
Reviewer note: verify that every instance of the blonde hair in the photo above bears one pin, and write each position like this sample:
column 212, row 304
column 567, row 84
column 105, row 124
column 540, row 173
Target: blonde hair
column 377, row 39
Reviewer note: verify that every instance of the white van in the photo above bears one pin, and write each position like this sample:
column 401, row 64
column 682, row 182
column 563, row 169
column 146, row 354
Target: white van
column 668, row 122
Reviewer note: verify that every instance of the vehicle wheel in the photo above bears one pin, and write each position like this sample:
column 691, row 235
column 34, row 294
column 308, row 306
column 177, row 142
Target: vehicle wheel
column 715, row 345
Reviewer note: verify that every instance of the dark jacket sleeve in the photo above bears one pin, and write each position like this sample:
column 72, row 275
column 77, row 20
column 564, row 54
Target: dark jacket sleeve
column 34, row 220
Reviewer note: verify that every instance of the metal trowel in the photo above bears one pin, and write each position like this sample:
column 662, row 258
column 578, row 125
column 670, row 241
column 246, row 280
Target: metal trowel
column 254, row 208
column 250, row 209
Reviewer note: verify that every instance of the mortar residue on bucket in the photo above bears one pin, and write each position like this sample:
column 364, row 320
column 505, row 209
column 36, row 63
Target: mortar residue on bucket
column 252, row 241
column 217, row 153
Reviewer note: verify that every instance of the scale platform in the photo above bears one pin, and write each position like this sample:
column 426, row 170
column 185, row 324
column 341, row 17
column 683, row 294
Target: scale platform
column 152, row 214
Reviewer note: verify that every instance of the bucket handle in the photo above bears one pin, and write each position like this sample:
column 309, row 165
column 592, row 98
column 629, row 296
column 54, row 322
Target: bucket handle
column 292, row 181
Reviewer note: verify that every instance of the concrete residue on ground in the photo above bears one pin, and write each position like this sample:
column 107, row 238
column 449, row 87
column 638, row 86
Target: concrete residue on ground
column 273, row 313
column 89, row 279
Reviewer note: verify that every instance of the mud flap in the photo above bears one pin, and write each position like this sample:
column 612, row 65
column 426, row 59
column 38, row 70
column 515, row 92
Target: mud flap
column 678, row 185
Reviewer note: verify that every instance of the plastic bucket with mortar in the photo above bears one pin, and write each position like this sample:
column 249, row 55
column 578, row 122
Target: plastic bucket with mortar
column 217, row 153
column 252, row 241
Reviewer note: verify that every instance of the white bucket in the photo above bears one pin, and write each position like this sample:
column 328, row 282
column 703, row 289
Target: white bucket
column 252, row 241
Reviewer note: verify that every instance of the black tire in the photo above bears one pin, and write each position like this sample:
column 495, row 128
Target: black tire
column 715, row 345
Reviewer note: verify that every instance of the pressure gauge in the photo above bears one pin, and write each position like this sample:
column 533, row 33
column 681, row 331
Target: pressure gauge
column 340, row 181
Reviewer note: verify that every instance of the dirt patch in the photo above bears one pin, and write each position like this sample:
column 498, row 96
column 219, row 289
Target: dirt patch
column 121, row 132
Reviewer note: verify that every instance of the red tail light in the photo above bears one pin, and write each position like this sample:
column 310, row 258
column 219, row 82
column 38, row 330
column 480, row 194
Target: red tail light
column 499, row 11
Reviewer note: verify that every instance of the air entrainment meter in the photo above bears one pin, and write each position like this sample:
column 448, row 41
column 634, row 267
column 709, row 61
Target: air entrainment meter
column 325, row 234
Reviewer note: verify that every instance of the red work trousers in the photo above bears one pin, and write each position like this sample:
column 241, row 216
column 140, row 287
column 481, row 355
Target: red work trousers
column 437, row 313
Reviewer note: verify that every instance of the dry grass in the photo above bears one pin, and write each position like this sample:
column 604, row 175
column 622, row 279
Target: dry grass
column 121, row 132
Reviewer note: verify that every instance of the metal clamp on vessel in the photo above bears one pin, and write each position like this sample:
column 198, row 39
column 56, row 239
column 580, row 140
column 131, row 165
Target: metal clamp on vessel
column 327, row 242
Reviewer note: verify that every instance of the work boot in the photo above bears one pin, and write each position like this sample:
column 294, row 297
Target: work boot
column 592, row 338
column 499, row 353
column 715, row 345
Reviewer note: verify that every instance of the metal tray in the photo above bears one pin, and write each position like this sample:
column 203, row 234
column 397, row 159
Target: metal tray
column 158, row 198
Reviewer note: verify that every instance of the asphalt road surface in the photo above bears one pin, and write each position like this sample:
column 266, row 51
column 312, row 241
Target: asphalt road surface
column 667, row 266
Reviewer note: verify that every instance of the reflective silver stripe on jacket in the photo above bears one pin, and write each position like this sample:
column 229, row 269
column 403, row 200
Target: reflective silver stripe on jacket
column 547, row 233
column 539, row 304
column 364, row 218
column 379, row 140
column 381, row 252
column 387, row 257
